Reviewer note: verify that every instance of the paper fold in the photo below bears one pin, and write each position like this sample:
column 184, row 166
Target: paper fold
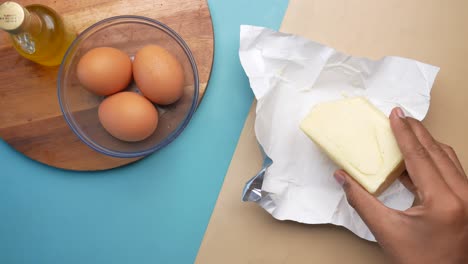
column 290, row 74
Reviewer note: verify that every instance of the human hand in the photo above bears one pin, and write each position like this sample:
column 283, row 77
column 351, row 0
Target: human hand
column 435, row 229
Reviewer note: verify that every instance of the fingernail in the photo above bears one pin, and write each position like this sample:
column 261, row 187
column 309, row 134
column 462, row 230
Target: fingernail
column 400, row 112
column 339, row 177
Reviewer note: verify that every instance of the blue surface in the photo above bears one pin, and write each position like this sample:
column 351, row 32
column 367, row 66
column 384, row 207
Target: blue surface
column 154, row 211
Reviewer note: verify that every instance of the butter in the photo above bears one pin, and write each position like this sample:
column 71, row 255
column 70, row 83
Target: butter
column 357, row 137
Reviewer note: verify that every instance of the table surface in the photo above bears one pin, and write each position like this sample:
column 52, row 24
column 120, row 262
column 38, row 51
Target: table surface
column 154, row 211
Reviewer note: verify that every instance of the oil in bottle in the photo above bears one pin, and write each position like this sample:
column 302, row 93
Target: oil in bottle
column 37, row 31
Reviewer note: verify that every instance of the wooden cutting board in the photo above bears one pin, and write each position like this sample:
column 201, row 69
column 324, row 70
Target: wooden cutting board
column 30, row 116
column 432, row 31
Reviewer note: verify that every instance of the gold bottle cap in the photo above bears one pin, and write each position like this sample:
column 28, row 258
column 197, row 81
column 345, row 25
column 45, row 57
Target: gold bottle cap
column 12, row 16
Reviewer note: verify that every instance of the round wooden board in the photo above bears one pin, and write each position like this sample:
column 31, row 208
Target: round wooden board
column 30, row 116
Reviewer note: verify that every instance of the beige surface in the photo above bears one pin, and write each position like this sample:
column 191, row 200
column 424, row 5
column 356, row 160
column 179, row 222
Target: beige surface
column 241, row 233
column 433, row 31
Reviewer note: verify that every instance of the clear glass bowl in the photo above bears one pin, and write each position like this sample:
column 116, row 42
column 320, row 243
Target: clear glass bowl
column 80, row 107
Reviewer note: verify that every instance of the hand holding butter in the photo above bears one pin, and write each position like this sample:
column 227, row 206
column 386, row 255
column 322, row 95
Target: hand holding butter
column 289, row 75
column 359, row 138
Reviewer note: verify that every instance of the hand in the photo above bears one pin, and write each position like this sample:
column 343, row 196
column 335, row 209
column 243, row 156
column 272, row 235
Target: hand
column 435, row 230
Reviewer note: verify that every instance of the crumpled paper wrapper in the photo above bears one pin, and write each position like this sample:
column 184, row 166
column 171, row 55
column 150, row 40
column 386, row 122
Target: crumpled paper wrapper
column 289, row 75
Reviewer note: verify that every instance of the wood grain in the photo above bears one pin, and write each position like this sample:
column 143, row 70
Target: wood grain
column 30, row 116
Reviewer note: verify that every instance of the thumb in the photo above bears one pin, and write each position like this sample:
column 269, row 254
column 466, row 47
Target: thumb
column 376, row 215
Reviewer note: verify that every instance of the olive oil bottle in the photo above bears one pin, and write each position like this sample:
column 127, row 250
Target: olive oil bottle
column 37, row 31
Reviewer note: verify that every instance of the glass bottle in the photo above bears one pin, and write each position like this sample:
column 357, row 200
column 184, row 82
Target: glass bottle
column 37, row 31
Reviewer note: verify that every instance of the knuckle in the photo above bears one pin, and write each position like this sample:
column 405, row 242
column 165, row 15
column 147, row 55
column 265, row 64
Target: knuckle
column 418, row 152
column 454, row 211
column 434, row 148
column 444, row 146
column 448, row 149
column 429, row 200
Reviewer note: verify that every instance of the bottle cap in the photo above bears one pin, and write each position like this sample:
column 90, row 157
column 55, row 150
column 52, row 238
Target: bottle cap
column 12, row 16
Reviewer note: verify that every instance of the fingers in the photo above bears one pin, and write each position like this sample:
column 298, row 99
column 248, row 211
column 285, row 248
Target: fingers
column 377, row 216
column 447, row 168
column 453, row 156
column 419, row 164
column 459, row 189
column 408, row 183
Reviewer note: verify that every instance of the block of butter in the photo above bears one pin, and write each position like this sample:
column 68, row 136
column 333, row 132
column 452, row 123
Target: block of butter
column 358, row 138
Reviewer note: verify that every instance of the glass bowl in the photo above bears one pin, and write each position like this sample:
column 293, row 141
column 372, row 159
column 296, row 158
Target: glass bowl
column 80, row 107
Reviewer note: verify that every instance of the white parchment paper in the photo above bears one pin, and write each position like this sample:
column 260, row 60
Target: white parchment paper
column 289, row 75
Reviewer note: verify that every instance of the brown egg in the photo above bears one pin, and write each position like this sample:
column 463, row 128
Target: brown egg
column 158, row 75
column 128, row 116
column 104, row 70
